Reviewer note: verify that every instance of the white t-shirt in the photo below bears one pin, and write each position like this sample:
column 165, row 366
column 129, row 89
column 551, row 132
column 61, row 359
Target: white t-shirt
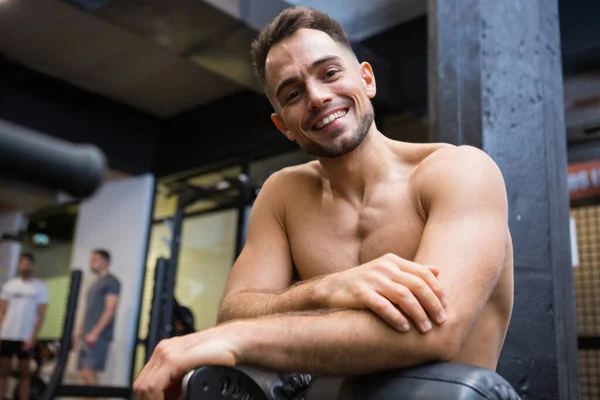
column 23, row 297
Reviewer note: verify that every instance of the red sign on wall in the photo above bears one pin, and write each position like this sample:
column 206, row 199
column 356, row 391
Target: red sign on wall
column 584, row 180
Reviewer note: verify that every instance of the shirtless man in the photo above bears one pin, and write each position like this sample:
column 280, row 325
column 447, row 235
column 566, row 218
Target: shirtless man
column 381, row 233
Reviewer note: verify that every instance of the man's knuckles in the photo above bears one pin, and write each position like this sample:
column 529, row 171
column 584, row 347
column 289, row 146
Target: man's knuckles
column 391, row 258
column 419, row 285
column 385, row 267
column 167, row 351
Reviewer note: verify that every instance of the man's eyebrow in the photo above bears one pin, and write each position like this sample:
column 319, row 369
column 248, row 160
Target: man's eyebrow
column 285, row 83
column 323, row 60
column 293, row 79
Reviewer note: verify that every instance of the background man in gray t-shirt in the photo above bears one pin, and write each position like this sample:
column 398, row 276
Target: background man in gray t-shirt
column 98, row 321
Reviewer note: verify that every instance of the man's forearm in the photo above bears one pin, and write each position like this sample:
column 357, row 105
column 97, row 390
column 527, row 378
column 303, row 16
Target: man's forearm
column 337, row 343
column 299, row 297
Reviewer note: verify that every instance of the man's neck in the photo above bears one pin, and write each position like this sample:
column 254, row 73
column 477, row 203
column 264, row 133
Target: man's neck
column 26, row 277
column 356, row 174
column 103, row 273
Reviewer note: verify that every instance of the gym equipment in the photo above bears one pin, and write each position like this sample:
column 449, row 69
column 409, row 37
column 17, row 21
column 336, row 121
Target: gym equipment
column 49, row 162
column 182, row 319
column 166, row 312
column 448, row 381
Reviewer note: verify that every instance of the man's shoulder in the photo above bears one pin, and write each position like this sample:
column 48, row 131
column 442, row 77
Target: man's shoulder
column 456, row 168
column 456, row 161
column 112, row 279
column 11, row 282
column 291, row 174
column 9, row 285
column 291, row 178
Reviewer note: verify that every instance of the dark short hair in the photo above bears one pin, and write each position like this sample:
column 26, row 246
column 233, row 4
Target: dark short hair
column 29, row 256
column 103, row 253
column 288, row 22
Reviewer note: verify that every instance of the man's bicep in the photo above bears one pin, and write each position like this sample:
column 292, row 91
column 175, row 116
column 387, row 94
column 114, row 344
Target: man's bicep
column 466, row 233
column 265, row 262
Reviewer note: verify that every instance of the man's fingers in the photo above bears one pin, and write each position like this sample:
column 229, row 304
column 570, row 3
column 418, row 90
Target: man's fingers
column 406, row 301
column 434, row 270
column 157, row 380
column 431, row 279
column 148, row 385
column 413, row 288
column 428, row 274
column 381, row 306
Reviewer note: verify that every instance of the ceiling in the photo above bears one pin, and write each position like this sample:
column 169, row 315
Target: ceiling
column 164, row 57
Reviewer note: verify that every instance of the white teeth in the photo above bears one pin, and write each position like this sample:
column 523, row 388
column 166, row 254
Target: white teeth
column 327, row 120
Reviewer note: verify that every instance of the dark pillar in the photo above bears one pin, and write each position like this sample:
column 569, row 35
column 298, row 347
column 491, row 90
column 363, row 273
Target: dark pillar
column 495, row 82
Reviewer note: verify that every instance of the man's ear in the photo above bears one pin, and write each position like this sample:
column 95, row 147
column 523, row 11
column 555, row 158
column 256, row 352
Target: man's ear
column 278, row 121
column 368, row 78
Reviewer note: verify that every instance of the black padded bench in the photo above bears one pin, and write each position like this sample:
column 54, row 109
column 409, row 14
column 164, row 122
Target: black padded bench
column 442, row 381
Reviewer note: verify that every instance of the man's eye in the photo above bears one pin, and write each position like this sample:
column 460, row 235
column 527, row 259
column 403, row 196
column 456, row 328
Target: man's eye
column 292, row 96
column 331, row 73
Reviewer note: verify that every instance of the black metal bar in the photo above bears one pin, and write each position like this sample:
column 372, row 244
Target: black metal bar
column 171, row 274
column 94, row 391
column 65, row 344
column 588, row 342
column 49, row 162
column 222, row 207
column 143, row 279
column 155, row 323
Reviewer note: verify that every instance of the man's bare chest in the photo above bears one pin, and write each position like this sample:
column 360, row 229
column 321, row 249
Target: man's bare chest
column 328, row 239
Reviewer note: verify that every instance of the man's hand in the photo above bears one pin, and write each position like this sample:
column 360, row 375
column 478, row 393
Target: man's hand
column 173, row 358
column 29, row 344
column 393, row 288
column 91, row 338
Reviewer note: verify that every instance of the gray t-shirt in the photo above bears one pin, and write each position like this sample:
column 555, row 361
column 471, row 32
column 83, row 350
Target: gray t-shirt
column 95, row 305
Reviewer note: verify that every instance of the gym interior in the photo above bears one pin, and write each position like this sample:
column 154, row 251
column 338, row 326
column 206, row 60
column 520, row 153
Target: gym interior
column 163, row 92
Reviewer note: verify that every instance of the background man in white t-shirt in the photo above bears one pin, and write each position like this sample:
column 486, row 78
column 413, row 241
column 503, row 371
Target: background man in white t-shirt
column 23, row 302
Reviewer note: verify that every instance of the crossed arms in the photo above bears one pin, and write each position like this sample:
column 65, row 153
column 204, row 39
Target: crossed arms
column 352, row 330
column 465, row 236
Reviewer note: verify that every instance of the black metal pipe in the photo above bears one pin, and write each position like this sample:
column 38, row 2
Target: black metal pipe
column 236, row 203
column 171, row 275
column 155, row 323
column 48, row 162
column 141, row 295
column 66, row 341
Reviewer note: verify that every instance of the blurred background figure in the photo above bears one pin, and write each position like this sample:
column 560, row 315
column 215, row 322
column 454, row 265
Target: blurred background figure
column 23, row 303
column 96, row 333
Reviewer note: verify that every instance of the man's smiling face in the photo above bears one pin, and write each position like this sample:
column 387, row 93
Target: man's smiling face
column 321, row 93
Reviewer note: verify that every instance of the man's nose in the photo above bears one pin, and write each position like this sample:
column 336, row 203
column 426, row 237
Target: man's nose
column 318, row 95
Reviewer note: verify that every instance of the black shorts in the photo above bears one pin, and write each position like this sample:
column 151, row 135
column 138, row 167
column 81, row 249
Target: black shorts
column 11, row 348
